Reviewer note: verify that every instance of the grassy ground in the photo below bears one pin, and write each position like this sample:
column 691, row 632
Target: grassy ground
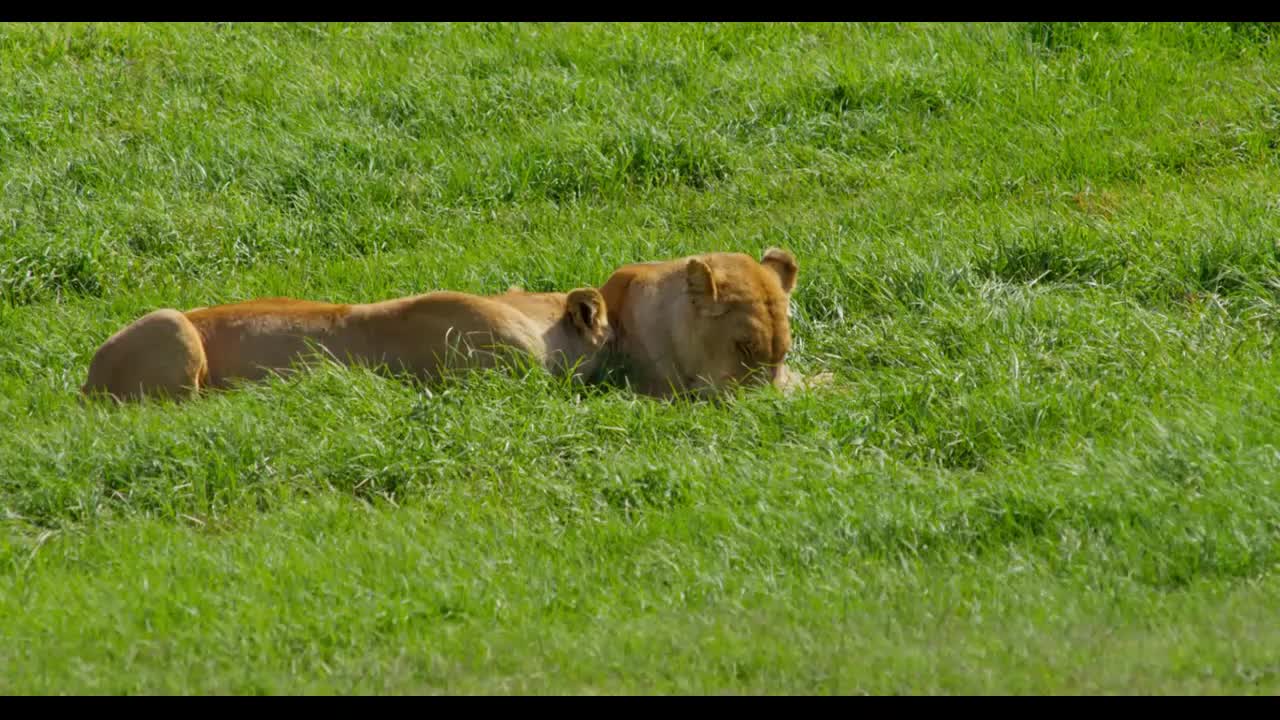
column 1041, row 260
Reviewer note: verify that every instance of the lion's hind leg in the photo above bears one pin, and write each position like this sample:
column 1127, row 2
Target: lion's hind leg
column 159, row 354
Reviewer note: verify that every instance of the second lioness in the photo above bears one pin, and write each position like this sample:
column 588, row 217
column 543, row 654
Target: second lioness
column 177, row 354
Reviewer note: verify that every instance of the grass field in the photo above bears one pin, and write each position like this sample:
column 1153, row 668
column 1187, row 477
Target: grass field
column 1041, row 260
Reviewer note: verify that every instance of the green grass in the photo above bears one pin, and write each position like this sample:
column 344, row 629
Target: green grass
column 1040, row 259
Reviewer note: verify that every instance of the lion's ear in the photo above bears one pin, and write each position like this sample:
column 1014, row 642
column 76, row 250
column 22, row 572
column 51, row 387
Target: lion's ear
column 703, row 292
column 784, row 265
column 587, row 308
column 702, row 286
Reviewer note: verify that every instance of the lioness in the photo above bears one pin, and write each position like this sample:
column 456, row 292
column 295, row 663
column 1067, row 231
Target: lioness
column 168, row 352
column 704, row 323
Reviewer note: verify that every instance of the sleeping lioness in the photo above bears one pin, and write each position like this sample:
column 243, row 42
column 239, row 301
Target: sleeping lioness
column 168, row 352
column 705, row 323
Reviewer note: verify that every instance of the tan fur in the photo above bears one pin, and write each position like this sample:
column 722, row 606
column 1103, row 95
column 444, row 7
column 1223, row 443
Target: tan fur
column 703, row 323
column 167, row 352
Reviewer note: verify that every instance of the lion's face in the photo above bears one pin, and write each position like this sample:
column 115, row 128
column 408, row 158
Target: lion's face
column 739, row 330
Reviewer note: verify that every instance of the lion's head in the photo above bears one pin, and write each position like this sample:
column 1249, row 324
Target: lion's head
column 738, row 330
